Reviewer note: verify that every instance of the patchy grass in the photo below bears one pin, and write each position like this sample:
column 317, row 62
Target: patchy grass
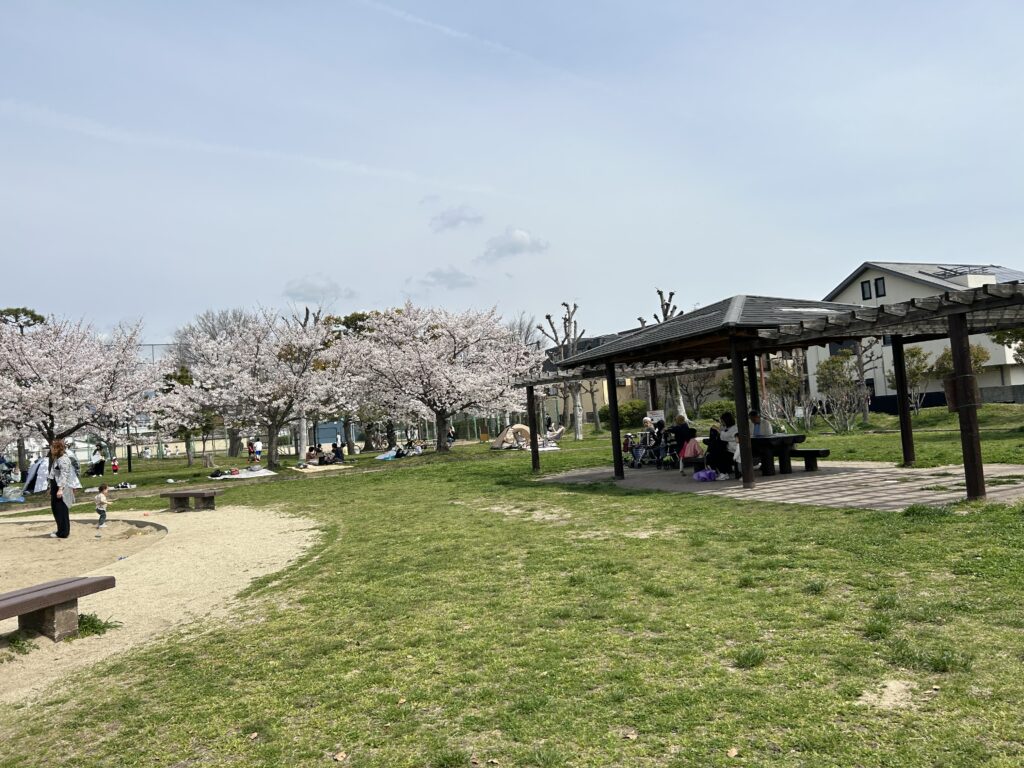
column 455, row 612
column 90, row 624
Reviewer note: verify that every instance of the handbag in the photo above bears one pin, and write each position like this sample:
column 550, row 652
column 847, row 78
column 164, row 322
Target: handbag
column 692, row 449
column 705, row 475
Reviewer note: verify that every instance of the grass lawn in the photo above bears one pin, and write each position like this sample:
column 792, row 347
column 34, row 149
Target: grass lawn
column 455, row 611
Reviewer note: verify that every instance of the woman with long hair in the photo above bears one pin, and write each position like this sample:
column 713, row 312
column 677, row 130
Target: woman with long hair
column 62, row 491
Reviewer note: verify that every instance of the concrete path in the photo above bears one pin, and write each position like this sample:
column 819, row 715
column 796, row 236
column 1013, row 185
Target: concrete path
column 845, row 484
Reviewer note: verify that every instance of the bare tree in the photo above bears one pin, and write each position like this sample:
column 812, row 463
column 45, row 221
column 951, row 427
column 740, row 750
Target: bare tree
column 865, row 352
column 566, row 340
column 697, row 387
column 592, row 387
column 666, row 311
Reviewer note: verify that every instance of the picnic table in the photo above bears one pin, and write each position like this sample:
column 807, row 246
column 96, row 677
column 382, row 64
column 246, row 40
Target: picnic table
column 781, row 445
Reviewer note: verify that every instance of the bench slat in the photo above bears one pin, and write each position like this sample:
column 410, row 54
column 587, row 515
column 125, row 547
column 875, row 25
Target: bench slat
column 190, row 494
column 52, row 595
column 38, row 587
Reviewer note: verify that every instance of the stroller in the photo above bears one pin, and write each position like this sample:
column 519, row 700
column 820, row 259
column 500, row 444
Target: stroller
column 644, row 451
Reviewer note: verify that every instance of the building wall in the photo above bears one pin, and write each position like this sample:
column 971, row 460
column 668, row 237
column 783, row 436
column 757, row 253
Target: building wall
column 1001, row 369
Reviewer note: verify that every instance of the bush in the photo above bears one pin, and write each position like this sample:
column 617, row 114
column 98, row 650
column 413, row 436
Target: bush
column 631, row 413
column 715, row 409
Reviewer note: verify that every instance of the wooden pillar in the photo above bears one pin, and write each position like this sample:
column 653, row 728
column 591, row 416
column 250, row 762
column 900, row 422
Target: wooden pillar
column 613, row 418
column 755, row 397
column 654, row 393
column 903, row 401
column 742, row 422
column 531, row 415
column 967, row 406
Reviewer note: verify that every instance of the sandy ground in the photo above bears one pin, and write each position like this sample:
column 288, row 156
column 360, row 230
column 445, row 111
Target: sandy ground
column 167, row 578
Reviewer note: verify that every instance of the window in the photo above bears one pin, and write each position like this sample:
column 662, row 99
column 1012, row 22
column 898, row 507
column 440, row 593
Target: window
column 865, row 289
column 879, row 287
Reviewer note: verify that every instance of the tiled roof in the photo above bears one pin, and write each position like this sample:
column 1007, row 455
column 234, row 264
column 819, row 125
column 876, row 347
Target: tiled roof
column 713, row 321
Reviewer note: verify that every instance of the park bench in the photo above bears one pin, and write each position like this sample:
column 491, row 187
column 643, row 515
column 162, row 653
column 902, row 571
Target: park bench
column 810, row 456
column 205, row 499
column 51, row 609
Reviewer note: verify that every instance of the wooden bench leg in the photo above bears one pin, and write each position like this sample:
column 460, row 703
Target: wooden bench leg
column 811, row 463
column 785, row 464
column 56, row 622
column 205, row 503
column 179, row 504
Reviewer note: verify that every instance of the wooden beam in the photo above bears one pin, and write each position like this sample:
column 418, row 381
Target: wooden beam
column 742, row 422
column 531, row 418
column 613, row 418
column 967, row 406
column 899, row 365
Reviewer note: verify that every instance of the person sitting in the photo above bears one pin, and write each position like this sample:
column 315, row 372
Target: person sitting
column 554, row 435
column 339, row 455
column 680, row 438
column 723, row 446
column 97, row 465
column 311, row 455
column 760, row 427
column 658, row 441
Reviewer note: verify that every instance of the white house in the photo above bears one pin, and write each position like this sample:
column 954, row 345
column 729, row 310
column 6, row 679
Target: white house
column 874, row 283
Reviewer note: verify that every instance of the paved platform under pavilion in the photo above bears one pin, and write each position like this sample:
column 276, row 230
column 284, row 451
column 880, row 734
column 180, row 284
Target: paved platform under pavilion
column 841, row 484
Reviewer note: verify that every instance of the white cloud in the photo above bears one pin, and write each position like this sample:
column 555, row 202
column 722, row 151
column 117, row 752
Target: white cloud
column 315, row 289
column 455, row 217
column 512, row 242
column 450, row 278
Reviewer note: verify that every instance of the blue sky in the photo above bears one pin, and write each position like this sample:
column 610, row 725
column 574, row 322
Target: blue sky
column 159, row 159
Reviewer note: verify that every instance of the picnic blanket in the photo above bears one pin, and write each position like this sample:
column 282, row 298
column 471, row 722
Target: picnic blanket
column 245, row 475
column 318, row 468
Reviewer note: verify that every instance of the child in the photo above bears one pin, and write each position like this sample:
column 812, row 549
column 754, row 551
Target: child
column 114, row 465
column 101, row 505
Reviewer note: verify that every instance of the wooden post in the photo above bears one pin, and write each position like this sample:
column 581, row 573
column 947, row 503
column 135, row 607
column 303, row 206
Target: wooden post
column 967, row 406
column 654, row 393
column 755, row 397
column 742, row 422
column 531, row 415
column 613, row 419
column 899, row 365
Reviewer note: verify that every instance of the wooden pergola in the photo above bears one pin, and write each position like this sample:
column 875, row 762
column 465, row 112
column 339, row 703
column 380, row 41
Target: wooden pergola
column 739, row 329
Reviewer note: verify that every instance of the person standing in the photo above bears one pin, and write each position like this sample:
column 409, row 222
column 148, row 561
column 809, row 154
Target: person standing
column 61, row 478
column 102, row 500
column 257, row 449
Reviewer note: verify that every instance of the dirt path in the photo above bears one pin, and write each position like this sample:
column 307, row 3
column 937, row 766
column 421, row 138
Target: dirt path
column 166, row 579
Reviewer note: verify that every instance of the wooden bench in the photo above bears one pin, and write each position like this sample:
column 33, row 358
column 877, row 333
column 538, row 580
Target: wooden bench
column 51, row 609
column 205, row 499
column 810, row 456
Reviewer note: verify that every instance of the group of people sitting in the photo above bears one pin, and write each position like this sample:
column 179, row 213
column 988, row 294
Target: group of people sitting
column 317, row 455
column 668, row 447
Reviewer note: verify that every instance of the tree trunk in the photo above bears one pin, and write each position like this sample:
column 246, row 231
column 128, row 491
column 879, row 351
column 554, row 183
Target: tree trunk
column 369, row 430
column 577, row 412
column 303, row 437
column 234, row 442
column 441, row 429
column 595, row 409
column 680, row 403
column 272, row 458
column 564, row 416
column 22, row 456
column 350, row 444
column 189, row 451
column 389, row 427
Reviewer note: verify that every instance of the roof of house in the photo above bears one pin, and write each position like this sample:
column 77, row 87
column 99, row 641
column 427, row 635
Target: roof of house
column 936, row 275
column 709, row 328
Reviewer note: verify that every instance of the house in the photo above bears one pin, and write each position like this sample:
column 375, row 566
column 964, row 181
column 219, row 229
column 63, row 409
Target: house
column 875, row 283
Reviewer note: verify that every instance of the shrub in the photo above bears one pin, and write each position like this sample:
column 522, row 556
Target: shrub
column 715, row 408
column 877, row 628
column 631, row 413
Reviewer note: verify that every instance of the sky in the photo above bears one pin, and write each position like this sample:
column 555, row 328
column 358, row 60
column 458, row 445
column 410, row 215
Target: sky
column 160, row 159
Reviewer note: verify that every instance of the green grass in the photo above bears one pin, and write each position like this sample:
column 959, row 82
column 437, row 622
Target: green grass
column 455, row 612
column 90, row 624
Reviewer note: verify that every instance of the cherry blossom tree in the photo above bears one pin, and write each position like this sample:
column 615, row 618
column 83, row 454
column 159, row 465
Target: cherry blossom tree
column 60, row 377
column 447, row 362
column 260, row 369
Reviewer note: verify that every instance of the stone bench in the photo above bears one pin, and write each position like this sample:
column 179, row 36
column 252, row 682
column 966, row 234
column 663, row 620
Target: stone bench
column 51, row 609
column 205, row 499
column 810, row 456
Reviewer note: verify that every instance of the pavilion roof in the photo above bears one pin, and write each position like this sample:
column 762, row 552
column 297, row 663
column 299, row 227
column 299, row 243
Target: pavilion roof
column 766, row 324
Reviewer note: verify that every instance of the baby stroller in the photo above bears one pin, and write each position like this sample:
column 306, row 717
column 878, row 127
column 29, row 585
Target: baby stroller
column 643, row 451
